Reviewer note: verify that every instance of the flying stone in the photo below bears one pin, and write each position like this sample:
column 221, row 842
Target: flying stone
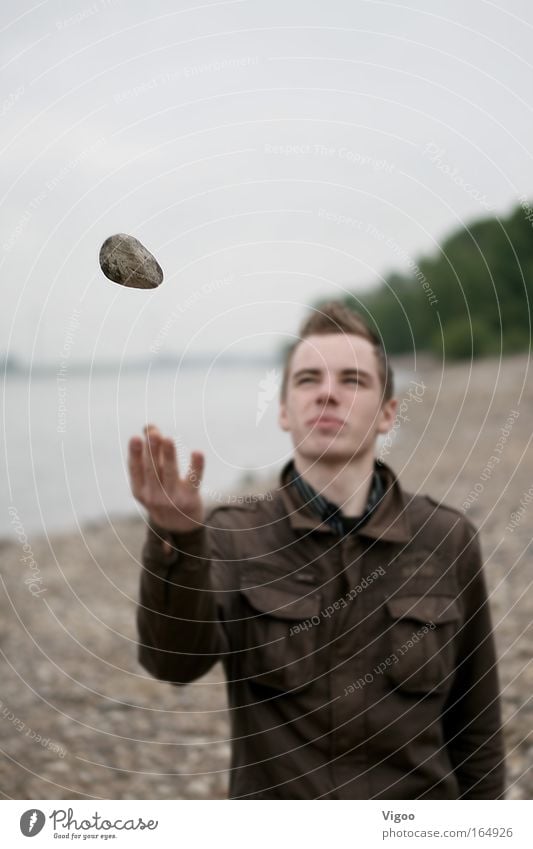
column 124, row 260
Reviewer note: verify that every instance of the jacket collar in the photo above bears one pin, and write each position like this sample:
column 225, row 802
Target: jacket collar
column 330, row 512
column 388, row 521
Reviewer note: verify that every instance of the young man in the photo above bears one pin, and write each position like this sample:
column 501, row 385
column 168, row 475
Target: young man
column 351, row 617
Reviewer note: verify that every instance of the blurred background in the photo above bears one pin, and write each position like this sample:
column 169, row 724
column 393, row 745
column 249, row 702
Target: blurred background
column 271, row 156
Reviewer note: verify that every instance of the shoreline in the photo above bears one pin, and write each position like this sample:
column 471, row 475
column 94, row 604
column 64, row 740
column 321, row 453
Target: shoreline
column 428, row 366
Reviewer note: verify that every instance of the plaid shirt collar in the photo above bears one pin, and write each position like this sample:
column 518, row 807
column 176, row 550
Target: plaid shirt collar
column 330, row 512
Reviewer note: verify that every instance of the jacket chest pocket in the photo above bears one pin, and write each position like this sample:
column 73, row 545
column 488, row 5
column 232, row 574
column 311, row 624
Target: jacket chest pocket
column 421, row 634
column 280, row 637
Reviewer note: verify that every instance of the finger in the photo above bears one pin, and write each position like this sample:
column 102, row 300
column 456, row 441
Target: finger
column 195, row 470
column 169, row 466
column 149, row 429
column 135, row 465
column 152, row 472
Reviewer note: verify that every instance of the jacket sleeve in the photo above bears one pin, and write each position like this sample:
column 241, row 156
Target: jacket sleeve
column 472, row 720
column 179, row 614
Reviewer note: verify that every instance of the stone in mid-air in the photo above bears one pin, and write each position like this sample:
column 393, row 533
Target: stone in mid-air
column 124, row 260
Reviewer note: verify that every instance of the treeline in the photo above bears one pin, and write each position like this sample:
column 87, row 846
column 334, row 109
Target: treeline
column 473, row 298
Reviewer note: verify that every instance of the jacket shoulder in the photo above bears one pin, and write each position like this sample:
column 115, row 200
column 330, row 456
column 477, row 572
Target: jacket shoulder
column 445, row 513
column 238, row 511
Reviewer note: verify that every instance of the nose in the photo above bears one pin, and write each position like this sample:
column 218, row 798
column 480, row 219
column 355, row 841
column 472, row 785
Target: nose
column 327, row 392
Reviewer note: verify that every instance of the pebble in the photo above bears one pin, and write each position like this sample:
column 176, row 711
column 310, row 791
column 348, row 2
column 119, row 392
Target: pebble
column 124, row 260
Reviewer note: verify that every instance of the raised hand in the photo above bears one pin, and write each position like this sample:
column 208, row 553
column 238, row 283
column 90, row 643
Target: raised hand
column 173, row 502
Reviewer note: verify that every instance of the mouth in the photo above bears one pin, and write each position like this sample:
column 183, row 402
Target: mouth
column 329, row 422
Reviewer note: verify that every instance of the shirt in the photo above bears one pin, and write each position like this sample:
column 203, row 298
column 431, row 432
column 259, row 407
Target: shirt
column 332, row 513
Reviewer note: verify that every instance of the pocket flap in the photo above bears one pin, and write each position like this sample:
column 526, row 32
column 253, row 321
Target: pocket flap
column 278, row 602
column 436, row 609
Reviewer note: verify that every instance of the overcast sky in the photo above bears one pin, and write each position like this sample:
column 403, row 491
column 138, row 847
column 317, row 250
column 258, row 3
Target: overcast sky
column 267, row 153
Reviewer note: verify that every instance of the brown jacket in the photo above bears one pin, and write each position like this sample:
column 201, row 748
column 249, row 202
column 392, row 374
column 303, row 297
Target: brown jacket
column 358, row 667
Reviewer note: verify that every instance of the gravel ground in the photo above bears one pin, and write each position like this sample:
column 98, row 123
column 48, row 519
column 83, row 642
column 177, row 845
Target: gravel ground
column 80, row 719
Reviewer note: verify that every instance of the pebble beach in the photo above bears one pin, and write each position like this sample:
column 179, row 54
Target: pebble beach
column 80, row 719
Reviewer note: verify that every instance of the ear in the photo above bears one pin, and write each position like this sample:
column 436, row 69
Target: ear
column 387, row 415
column 283, row 419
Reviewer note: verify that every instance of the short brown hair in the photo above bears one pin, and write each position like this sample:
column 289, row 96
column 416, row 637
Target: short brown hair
column 335, row 317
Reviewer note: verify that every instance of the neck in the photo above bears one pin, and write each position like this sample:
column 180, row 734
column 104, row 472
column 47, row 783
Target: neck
column 344, row 483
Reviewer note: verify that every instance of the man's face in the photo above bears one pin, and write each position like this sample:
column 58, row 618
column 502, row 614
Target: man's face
column 333, row 407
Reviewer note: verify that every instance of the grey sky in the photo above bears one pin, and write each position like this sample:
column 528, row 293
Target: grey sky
column 268, row 153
